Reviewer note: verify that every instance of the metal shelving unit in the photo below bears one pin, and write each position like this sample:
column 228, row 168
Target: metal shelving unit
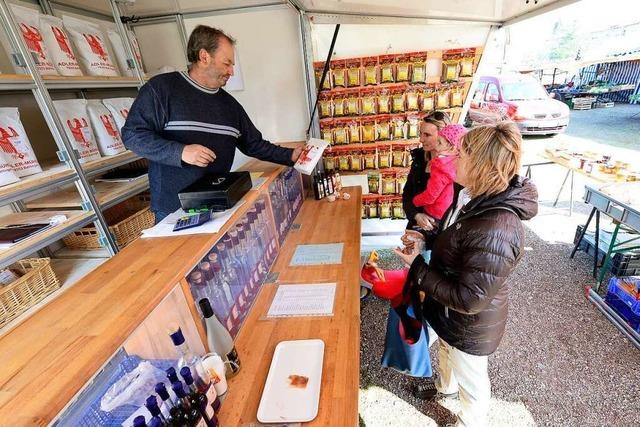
column 70, row 170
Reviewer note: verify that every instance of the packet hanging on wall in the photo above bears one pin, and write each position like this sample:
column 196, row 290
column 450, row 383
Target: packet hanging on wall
column 372, row 208
column 403, row 68
column 28, row 20
column 398, row 100
column 343, row 161
column 338, row 73
column 368, row 130
column 413, row 126
column 388, row 183
column 326, row 131
column 466, row 62
column 450, row 66
column 325, row 105
column 370, row 157
column 442, row 98
column 59, row 44
column 384, row 101
column 412, row 96
column 16, row 147
column 119, row 108
column 340, row 132
column 456, row 96
column 374, row 183
column 398, row 210
column 369, row 101
column 355, row 161
column 105, row 128
column 73, row 113
column 383, row 124
column 339, row 103
column 384, row 206
column 354, row 131
column 427, row 104
column 371, row 70
column 329, row 161
column 318, row 68
column 352, row 102
column 91, row 47
column 387, row 68
column 399, row 128
column 418, row 67
column 354, row 71
column 399, row 156
column 384, row 157
column 401, row 181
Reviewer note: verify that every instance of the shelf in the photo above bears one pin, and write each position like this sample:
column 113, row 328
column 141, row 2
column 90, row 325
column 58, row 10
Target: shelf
column 52, row 176
column 75, row 220
column 390, row 115
column 104, row 164
column 10, row 82
column 89, row 82
column 69, row 253
column 107, row 194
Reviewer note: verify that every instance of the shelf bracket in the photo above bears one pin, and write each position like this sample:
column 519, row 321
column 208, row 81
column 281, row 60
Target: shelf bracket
column 18, row 60
column 86, row 206
column 63, row 155
column 104, row 242
column 131, row 64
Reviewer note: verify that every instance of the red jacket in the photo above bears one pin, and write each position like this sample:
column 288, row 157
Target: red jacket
column 438, row 196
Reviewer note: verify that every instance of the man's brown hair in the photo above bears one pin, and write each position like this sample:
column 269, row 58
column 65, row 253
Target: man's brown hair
column 207, row 38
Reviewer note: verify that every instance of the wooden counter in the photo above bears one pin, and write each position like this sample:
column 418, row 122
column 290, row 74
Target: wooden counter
column 320, row 222
column 49, row 357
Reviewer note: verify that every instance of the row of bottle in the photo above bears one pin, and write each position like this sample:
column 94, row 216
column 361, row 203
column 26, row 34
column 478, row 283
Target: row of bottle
column 231, row 274
column 286, row 199
column 325, row 184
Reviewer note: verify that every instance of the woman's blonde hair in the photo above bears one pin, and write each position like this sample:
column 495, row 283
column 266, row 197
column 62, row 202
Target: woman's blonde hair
column 494, row 157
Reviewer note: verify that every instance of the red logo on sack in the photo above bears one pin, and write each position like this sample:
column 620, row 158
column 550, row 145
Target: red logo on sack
column 5, row 142
column 96, row 45
column 33, row 39
column 110, row 126
column 63, row 41
column 76, row 127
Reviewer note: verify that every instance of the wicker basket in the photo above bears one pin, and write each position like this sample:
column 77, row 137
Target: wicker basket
column 126, row 222
column 37, row 281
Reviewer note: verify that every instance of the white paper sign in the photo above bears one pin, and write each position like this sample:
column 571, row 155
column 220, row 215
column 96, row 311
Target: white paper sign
column 303, row 300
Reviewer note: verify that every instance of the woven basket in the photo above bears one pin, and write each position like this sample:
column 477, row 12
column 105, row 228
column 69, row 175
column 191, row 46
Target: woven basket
column 126, row 222
column 37, row 281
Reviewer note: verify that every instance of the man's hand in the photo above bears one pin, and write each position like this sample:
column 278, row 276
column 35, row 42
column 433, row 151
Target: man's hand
column 197, row 155
column 425, row 221
column 296, row 153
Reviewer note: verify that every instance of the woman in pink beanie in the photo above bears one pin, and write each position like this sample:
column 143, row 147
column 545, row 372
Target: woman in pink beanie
column 438, row 196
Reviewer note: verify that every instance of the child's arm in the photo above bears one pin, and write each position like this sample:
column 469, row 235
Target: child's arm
column 438, row 181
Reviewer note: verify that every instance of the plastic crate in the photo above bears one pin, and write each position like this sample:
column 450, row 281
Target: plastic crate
column 622, row 263
column 623, row 295
column 85, row 410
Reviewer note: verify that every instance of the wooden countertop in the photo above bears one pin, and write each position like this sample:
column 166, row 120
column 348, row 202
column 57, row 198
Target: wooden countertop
column 320, row 222
column 49, row 357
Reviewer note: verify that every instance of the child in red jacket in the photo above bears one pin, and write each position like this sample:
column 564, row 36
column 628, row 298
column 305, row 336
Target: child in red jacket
column 438, row 196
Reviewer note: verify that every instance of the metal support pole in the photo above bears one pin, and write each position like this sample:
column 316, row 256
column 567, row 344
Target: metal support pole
column 126, row 41
column 607, row 257
column 46, row 6
column 582, row 233
column 310, row 79
column 571, row 194
column 597, row 244
column 183, row 34
column 55, row 124
column 561, row 187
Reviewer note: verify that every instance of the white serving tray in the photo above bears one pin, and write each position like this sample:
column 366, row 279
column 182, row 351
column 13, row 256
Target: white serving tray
column 282, row 403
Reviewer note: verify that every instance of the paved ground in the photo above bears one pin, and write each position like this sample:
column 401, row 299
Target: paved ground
column 561, row 363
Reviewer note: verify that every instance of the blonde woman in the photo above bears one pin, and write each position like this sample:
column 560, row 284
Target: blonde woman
column 463, row 293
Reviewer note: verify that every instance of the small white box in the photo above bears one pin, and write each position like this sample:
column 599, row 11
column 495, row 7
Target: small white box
column 311, row 155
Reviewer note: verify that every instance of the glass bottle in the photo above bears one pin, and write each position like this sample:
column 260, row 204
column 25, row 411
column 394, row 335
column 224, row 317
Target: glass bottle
column 152, row 406
column 219, row 339
column 207, row 399
column 229, row 270
column 188, row 358
column 248, row 255
column 169, row 408
column 233, row 248
column 220, row 279
column 194, row 416
column 214, row 289
column 139, row 421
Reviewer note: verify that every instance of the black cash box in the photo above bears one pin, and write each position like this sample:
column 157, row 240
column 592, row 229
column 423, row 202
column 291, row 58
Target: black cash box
column 218, row 192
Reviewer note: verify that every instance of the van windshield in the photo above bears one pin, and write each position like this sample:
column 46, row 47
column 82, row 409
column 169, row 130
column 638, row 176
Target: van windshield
column 523, row 90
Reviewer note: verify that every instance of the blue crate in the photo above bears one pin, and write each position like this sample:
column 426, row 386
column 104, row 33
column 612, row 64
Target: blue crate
column 625, row 304
column 85, row 410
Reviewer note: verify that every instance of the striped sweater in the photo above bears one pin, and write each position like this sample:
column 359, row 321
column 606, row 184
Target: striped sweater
column 171, row 111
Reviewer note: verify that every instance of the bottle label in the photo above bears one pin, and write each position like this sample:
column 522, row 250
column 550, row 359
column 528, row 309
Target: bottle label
column 201, row 423
column 232, row 356
column 209, row 409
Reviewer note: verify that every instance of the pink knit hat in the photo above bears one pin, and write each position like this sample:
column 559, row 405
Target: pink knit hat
column 453, row 134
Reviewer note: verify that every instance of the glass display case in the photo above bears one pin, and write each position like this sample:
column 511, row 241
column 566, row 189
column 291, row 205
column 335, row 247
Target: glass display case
column 286, row 195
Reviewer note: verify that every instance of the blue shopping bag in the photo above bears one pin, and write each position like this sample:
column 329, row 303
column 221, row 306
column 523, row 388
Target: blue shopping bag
column 399, row 354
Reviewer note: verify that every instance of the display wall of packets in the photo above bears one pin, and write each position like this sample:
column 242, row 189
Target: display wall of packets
column 392, row 99
column 387, row 182
column 374, row 129
column 405, row 67
column 367, row 159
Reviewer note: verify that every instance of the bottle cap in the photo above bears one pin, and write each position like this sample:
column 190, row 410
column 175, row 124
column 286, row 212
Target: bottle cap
column 152, row 405
column 162, row 391
column 155, row 422
column 172, row 375
column 176, row 336
column 139, row 421
column 205, row 306
column 227, row 242
column 185, row 373
column 178, row 388
column 195, row 278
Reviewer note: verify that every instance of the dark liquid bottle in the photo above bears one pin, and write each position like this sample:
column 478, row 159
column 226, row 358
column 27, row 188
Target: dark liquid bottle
column 139, row 421
column 152, row 406
column 194, row 416
column 170, row 409
column 199, row 397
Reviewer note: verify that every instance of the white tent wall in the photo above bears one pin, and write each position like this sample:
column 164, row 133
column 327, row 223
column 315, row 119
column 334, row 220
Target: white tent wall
column 157, row 55
column 355, row 40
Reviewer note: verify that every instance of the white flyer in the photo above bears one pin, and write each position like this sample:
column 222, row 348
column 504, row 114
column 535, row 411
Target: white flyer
column 300, row 300
column 311, row 155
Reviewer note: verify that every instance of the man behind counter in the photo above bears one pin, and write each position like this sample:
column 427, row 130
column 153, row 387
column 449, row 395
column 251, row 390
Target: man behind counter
column 187, row 125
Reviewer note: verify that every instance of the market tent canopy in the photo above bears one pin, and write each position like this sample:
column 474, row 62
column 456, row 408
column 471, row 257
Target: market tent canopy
column 487, row 11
